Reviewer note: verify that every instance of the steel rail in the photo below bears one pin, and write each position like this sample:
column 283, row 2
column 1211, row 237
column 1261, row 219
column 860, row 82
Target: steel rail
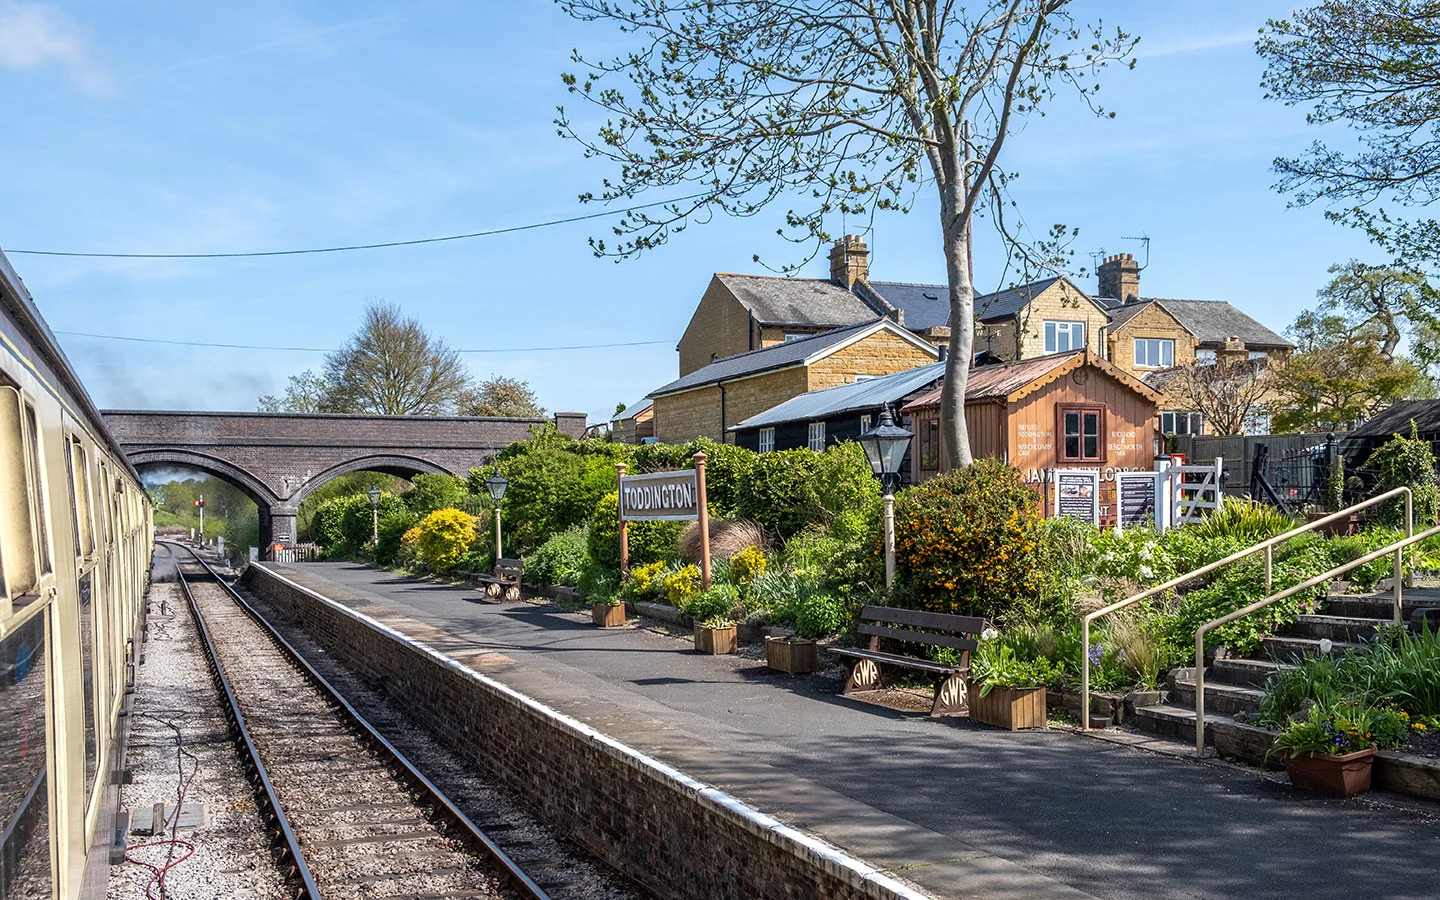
column 1267, row 545
column 290, row 844
column 1396, row 547
column 433, row 795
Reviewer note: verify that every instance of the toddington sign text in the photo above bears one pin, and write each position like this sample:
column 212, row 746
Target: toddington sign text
column 660, row 497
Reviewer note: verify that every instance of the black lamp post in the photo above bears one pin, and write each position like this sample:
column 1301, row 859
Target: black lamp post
column 374, row 495
column 885, row 446
column 496, row 485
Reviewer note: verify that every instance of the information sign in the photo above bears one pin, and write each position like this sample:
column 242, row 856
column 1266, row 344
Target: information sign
column 1136, row 492
column 1077, row 494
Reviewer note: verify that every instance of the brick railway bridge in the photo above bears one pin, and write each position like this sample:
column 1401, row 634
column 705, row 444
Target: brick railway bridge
column 279, row 459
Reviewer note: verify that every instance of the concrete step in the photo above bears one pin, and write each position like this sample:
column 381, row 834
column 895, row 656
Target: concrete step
column 1248, row 672
column 1220, row 698
column 1174, row 722
column 1286, row 649
column 1336, row 628
column 1372, row 606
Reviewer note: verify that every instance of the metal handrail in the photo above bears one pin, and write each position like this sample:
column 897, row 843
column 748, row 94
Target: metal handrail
column 1266, row 545
column 1398, row 548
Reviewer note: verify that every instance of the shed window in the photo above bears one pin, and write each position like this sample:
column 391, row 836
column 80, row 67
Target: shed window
column 1154, row 352
column 1083, row 432
column 767, row 440
column 817, row 436
column 1063, row 336
column 865, row 423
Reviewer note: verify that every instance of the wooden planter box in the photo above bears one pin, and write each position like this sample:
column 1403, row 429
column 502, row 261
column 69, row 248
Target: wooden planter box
column 1339, row 528
column 795, row 656
column 1007, row 707
column 1335, row 776
column 716, row 641
column 608, row 615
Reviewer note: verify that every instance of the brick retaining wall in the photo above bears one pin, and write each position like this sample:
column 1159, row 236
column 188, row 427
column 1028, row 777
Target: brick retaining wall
column 662, row 828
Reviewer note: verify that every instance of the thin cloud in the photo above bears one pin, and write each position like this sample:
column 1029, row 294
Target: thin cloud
column 1203, row 44
column 300, row 37
column 36, row 35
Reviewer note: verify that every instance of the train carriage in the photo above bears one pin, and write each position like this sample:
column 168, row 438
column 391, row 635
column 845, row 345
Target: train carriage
column 75, row 537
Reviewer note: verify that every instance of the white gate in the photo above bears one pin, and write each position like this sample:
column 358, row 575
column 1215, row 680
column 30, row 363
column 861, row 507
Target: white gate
column 1195, row 491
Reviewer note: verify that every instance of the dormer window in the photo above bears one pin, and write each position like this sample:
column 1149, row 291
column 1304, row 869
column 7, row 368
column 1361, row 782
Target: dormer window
column 1154, row 353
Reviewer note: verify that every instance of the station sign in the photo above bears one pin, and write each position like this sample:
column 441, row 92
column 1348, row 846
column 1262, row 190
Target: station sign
column 660, row 497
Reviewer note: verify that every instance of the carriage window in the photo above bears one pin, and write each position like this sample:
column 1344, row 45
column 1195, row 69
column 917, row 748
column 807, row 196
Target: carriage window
column 80, row 499
column 35, row 482
column 17, row 553
column 87, row 676
column 24, row 797
column 1083, row 432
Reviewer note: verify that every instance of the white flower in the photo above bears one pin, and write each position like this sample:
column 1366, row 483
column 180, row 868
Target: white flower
column 1146, row 573
column 1325, row 645
column 1147, row 552
column 989, row 634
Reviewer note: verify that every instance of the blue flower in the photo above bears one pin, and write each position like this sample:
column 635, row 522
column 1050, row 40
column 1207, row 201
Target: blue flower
column 1097, row 653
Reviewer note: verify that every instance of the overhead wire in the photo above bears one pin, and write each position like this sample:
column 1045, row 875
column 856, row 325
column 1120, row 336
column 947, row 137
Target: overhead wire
column 145, row 340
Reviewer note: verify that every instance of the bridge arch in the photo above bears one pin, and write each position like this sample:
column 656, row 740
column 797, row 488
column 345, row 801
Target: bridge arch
column 390, row 463
column 234, row 475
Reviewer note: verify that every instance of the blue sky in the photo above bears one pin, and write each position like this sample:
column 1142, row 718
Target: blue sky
column 184, row 127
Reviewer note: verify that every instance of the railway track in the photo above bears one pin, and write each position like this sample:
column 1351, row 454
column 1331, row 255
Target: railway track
column 353, row 817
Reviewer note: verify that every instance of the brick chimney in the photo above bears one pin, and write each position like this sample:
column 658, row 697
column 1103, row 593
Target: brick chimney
column 1120, row 278
column 849, row 261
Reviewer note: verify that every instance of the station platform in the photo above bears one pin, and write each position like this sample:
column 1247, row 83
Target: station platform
column 958, row 809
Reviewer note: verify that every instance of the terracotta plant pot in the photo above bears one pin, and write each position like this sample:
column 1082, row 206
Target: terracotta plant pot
column 795, row 656
column 1334, row 776
column 1008, row 707
column 608, row 615
column 716, row 641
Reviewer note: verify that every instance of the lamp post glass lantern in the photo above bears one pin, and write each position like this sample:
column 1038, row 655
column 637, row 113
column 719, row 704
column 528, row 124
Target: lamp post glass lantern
column 374, row 495
column 496, row 485
column 885, row 447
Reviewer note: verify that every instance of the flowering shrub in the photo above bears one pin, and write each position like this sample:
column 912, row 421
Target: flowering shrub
column 682, row 584
column 1342, row 728
column 747, row 564
column 966, row 542
column 645, row 582
column 445, row 535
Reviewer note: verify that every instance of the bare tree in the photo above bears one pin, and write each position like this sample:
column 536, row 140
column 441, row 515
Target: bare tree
column 392, row 366
column 501, row 396
column 848, row 106
column 1225, row 392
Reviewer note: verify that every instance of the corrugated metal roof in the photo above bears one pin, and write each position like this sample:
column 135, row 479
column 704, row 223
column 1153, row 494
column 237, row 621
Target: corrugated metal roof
column 868, row 394
column 633, row 410
column 777, row 356
column 1396, row 418
column 999, row 382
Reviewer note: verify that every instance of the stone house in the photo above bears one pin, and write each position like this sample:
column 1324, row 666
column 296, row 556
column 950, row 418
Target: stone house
column 729, row 390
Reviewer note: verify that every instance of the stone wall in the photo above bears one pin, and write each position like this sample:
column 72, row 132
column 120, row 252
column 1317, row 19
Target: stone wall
column 719, row 327
column 1151, row 322
column 667, row 831
column 1061, row 302
column 882, row 353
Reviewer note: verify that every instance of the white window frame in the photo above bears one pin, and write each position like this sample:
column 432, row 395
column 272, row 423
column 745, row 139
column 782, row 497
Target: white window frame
column 816, row 437
column 1193, row 421
column 1074, row 333
column 1154, row 353
column 1256, row 354
column 1205, row 357
column 856, row 379
column 1257, row 421
column 766, row 440
column 865, row 422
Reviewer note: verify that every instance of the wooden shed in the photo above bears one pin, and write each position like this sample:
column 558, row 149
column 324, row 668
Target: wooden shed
column 1066, row 410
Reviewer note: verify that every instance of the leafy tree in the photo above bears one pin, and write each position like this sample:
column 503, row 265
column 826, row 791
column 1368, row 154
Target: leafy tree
column 1337, row 384
column 304, row 393
column 1225, row 392
column 1369, row 66
column 854, row 106
column 1382, row 305
column 501, row 396
column 432, row 492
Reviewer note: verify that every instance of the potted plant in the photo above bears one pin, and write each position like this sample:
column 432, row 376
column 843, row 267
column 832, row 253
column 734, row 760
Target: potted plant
column 608, row 613
column 713, row 613
column 791, row 654
column 1332, row 749
column 1005, row 690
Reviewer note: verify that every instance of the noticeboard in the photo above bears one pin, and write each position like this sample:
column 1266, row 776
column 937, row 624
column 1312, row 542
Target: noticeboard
column 660, row 497
column 1135, row 499
column 1077, row 494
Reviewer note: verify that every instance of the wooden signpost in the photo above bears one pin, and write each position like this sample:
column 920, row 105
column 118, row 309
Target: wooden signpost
column 677, row 496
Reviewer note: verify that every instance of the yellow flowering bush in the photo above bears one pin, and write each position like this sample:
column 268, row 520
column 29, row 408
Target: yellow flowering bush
column 967, row 542
column 682, row 584
column 746, row 564
column 646, row 581
column 445, row 535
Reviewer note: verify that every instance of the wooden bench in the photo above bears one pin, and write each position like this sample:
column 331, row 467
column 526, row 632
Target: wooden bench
column 505, row 579
column 909, row 626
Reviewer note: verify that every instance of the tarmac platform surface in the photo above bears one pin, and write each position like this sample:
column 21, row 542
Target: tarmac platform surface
column 958, row 809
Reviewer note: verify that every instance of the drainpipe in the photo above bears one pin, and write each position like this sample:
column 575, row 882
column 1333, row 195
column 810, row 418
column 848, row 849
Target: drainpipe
column 721, row 386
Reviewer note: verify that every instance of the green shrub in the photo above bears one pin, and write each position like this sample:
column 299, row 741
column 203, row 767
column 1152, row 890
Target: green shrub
column 550, row 491
column 392, row 529
column 342, row 525
column 790, row 489
column 967, row 542
column 648, row 541
column 820, row 614
column 778, row 593
column 841, row 555
column 597, row 583
column 445, row 536
column 714, row 607
column 727, row 466
column 997, row 664
column 1407, row 462
column 560, row 559
column 1244, row 520
column 432, row 492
